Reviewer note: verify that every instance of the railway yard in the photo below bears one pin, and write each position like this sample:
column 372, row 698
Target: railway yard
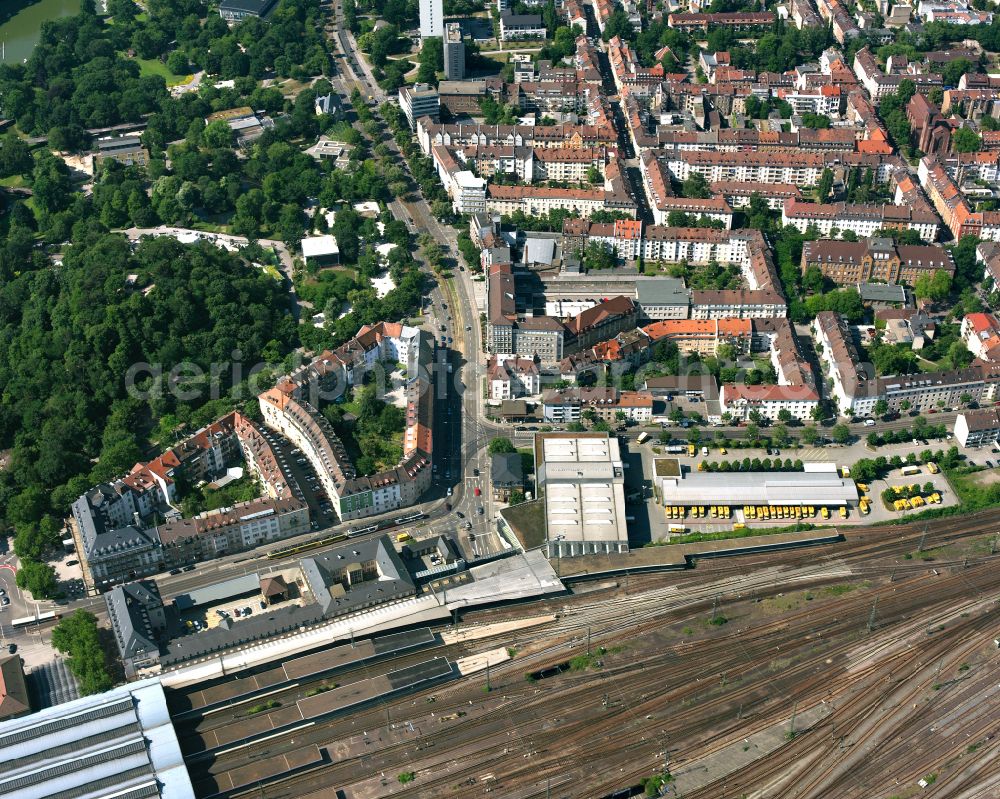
column 854, row 669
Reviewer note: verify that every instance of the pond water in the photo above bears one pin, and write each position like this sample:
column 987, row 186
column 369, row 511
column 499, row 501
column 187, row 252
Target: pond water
column 21, row 22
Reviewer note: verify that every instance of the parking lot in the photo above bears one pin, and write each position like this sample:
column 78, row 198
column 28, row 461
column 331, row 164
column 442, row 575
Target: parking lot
column 659, row 520
column 303, row 480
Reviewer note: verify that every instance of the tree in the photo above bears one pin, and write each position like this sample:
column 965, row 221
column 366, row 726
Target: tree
column 881, row 407
column 784, row 415
column 516, row 497
column 809, row 435
column 841, row 433
column 696, row 187
column 966, row 140
column 500, row 445
column 78, row 638
column 218, row 134
column 936, row 286
column 825, row 185
column 37, row 578
column 15, row 156
column 953, row 71
column 177, row 62
column 431, row 60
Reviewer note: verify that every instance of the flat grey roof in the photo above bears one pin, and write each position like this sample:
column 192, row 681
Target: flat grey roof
column 882, row 292
column 661, row 291
column 219, row 592
column 757, row 488
column 538, row 250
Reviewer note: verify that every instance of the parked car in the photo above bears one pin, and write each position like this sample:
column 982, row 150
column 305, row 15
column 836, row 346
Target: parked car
column 475, row 472
column 175, row 571
column 480, row 510
column 476, row 491
column 459, row 514
column 11, row 648
column 188, row 569
column 263, row 605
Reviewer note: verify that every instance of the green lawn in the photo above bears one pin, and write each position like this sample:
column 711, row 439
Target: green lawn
column 153, row 66
column 13, row 182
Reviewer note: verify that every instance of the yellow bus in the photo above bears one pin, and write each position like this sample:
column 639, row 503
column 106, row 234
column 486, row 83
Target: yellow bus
column 404, row 537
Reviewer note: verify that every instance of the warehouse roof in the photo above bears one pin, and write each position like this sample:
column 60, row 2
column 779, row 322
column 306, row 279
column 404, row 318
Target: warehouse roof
column 757, row 488
column 119, row 743
column 582, row 477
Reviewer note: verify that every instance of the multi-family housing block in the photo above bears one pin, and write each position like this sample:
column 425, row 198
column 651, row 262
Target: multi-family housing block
column 856, row 388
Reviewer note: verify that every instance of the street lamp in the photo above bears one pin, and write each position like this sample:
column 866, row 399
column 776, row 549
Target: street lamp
column 558, row 552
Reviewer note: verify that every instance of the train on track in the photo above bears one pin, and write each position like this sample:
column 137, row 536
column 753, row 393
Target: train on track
column 327, row 540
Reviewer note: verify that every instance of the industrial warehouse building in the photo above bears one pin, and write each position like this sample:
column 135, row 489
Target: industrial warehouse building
column 820, row 489
column 582, row 480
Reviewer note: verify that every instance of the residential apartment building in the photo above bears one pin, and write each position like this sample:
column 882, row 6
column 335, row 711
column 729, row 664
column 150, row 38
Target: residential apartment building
column 521, row 26
column 703, row 336
column 862, row 219
column 511, row 378
column 126, row 150
column 453, row 45
column 225, row 531
column 955, row 211
column 110, row 522
column 431, row 18
column 743, row 303
column 877, row 260
column 740, row 21
column 738, row 193
column 741, row 401
column 540, row 200
column 601, row 322
column 112, row 553
column 856, row 389
column 285, row 409
column 977, row 428
column 238, row 10
column 981, row 334
column 569, row 404
column 879, row 83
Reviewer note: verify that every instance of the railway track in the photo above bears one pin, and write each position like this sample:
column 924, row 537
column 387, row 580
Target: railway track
column 557, row 731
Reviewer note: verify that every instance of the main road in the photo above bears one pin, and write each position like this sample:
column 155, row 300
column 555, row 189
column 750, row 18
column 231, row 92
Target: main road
column 457, row 293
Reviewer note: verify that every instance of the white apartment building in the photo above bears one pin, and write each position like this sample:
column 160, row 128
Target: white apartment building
column 740, row 400
column 864, row 220
column 431, row 18
column 739, row 303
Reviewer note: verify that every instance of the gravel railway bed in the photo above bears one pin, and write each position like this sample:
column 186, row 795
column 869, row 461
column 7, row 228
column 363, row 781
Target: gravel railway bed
column 660, row 700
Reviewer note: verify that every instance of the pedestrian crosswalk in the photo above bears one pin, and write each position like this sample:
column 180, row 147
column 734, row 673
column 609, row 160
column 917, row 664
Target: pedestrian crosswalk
column 815, row 454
